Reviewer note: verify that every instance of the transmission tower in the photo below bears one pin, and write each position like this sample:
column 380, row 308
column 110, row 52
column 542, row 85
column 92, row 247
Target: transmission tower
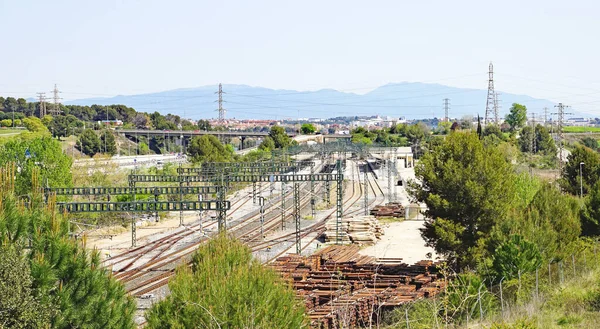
column 490, row 107
column 446, row 109
column 42, row 100
column 533, row 138
column 221, row 109
column 559, row 124
column 56, row 108
column 497, row 108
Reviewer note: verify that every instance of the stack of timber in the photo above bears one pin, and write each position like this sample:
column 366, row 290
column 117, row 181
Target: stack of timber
column 360, row 230
column 392, row 209
column 343, row 289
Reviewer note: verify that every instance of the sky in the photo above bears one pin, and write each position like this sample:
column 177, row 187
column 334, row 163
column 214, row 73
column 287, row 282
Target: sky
column 545, row 49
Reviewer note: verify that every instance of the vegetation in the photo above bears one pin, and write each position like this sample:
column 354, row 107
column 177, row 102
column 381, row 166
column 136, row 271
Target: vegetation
column 280, row 137
column 461, row 168
column 517, row 117
column 31, row 152
column 208, row 148
column 226, row 288
column 574, row 129
column 308, row 128
column 89, row 143
column 67, row 287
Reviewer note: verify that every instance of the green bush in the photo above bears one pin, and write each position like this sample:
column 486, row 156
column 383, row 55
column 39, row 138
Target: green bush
column 226, row 288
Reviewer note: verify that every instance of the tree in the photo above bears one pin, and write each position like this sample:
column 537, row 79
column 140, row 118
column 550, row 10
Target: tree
column 279, row 136
column 6, row 123
column 89, row 143
column 204, row 125
column 107, row 142
column 494, row 130
column 590, row 142
column 551, row 221
column 267, row 144
column 208, row 148
column 590, row 216
column 226, row 288
column 141, row 121
column 517, row 116
column 308, row 129
column 64, row 273
column 467, row 188
column 36, row 152
column 516, row 257
column 526, row 140
column 544, row 142
column 19, row 306
column 34, row 124
column 590, row 170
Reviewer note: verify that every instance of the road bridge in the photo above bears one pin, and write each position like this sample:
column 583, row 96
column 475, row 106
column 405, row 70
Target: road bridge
column 188, row 134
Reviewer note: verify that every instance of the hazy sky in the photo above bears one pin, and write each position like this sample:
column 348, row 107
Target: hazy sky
column 547, row 49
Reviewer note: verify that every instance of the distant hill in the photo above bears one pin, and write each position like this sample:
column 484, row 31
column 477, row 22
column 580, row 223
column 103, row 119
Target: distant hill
column 412, row 100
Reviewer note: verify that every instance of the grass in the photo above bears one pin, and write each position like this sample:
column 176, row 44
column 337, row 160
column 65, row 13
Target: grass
column 573, row 129
column 9, row 132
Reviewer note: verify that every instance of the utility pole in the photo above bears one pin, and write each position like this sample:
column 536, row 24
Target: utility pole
column 42, row 100
column 559, row 124
column 490, row 108
column 56, row 109
column 366, row 188
column 221, row 109
column 446, row 109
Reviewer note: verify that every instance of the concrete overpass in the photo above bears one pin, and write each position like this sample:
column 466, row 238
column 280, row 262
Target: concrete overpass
column 188, row 134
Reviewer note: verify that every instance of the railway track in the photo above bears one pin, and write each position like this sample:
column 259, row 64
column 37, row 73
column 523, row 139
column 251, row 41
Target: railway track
column 161, row 260
column 141, row 279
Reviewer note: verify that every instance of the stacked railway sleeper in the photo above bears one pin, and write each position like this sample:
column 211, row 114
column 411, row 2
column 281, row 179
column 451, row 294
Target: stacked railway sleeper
column 343, row 289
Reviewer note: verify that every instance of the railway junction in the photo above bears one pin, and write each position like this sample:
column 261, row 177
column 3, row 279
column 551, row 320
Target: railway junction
column 281, row 210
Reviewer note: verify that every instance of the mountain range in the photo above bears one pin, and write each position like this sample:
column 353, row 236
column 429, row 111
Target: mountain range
column 412, row 100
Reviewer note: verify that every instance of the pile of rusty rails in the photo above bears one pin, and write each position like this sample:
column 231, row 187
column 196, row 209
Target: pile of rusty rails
column 391, row 209
column 343, row 289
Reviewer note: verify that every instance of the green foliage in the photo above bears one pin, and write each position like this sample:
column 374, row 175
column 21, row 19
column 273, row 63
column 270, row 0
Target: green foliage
column 590, row 170
column 544, row 141
column 63, row 125
column 208, row 148
column 517, row 116
column 45, row 155
column 493, row 130
column 308, row 128
column 443, row 127
column 281, row 139
column 19, row 306
column 226, row 288
column 526, row 140
column 466, row 295
column 519, row 324
column 467, row 188
column 88, row 143
column 550, row 221
column 204, row 125
column 590, row 142
column 267, row 144
column 107, row 142
column 143, row 148
column 34, row 124
column 64, row 274
column 6, row 123
column 590, row 215
column 516, row 257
